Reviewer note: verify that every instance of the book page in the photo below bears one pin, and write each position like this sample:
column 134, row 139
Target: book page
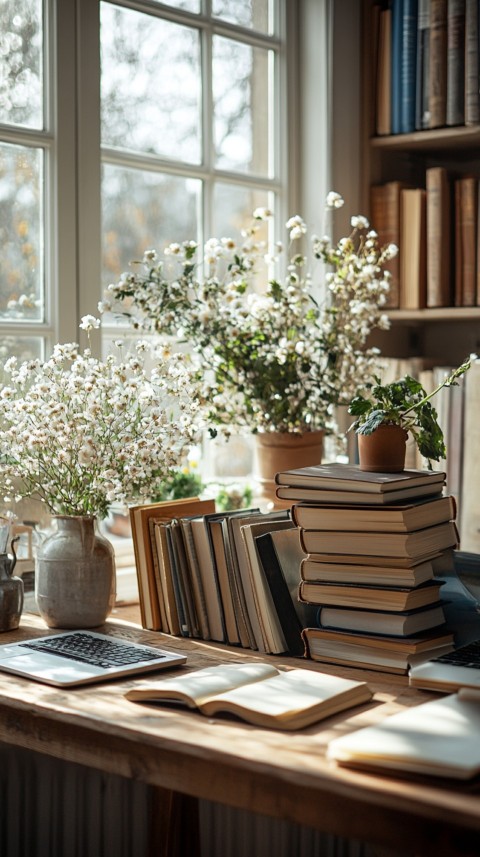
column 438, row 738
column 199, row 686
column 296, row 696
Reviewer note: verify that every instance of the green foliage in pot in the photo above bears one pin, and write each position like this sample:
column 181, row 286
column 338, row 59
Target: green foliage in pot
column 407, row 404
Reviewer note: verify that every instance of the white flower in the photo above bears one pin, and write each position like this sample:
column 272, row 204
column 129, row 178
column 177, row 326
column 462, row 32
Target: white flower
column 334, row 200
column 358, row 221
column 89, row 322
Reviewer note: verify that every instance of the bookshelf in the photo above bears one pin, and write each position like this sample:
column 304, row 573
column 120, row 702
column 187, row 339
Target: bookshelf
column 436, row 335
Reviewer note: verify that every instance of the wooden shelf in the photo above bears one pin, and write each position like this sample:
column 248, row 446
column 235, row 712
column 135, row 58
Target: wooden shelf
column 436, row 139
column 452, row 314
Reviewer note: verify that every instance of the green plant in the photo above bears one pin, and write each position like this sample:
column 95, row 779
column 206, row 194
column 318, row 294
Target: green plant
column 407, row 404
column 231, row 497
column 179, row 484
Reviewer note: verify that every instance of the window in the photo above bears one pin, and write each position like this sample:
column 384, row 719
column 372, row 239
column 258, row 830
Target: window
column 126, row 125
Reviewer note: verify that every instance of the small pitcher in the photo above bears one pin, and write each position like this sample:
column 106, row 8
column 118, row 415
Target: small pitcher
column 11, row 592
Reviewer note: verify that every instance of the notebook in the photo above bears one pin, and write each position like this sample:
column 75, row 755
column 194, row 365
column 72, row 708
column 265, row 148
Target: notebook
column 81, row 657
column 460, row 668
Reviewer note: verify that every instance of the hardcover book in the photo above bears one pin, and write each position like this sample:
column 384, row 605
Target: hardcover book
column 401, row 518
column 437, row 75
column 258, row 693
column 439, row 274
column 396, row 599
column 414, row 545
column 379, row 652
column 402, row 624
column 349, row 477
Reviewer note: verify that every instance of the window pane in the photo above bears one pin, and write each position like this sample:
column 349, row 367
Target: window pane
column 21, row 46
column 25, row 348
column 21, row 233
column 246, row 13
column 241, row 108
column 188, row 5
column 143, row 210
column 150, row 85
column 233, row 209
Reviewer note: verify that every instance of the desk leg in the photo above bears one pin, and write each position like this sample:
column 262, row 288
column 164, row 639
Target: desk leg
column 175, row 829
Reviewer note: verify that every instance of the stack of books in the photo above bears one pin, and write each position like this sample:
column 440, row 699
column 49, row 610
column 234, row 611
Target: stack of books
column 231, row 577
column 372, row 543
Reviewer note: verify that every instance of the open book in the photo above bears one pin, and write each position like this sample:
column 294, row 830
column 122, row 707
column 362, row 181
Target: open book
column 258, row 693
column 439, row 738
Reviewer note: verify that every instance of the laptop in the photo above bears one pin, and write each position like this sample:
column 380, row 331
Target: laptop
column 449, row 672
column 73, row 658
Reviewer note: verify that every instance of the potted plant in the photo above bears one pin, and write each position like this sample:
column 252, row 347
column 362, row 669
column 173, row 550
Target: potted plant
column 389, row 412
column 274, row 354
column 81, row 434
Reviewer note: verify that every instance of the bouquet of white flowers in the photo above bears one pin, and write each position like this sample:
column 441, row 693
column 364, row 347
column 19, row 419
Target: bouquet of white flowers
column 82, row 433
column 276, row 359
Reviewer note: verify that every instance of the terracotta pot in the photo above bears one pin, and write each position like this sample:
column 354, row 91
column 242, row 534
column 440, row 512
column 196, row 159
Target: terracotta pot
column 276, row 451
column 383, row 451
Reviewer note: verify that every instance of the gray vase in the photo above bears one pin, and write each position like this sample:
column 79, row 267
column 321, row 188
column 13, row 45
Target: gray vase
column 75, row 575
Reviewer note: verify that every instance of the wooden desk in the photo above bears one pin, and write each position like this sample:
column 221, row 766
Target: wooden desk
column 279, row 774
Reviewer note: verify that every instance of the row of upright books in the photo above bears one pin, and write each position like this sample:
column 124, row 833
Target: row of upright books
column 437, row 230
column 374, row 545
column 425, row 64
column 230, row 577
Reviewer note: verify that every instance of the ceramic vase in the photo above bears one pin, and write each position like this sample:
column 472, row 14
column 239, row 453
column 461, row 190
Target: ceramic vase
column 384, row 450
column 75, row 574
column 276, row 451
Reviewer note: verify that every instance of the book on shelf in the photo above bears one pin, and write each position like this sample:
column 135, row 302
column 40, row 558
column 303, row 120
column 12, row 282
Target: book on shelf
column 312, row 569
column 413, row 242
column 406, row 741
column 396, row 52
column 272, row 633
column 414, row 545
column 422, row 111
column 401, row 518
column 466, row 204
column 243, row 568
column 349, row 477
column 201, row 606
column 280, row 556
column 385, row 219
column 209, row 579
column 259, row 693
column 383, row 95
column 394, row 598
column 439, row 291
column 404, row 624
column 455, row 62
column 317, row 495
column 378, row 561
column 472, row 33
column 142, row 545
column 408, row 66
column 375, row 651
column 224, row 570
column 437, row 74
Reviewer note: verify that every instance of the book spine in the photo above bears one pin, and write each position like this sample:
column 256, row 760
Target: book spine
column 438, row 238
column 472, row 99
column 422, row 114
column 456, row 62
column 413, row 229
column 458, row 245
column 468, row 197
column 396, row 67
column 408, row 65
column 385, row 217
column 470, row 505
column 383, row 124
column 437, row 64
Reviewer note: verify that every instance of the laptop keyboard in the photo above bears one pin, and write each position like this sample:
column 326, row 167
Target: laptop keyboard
column 90, row 650
column 466, row 656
